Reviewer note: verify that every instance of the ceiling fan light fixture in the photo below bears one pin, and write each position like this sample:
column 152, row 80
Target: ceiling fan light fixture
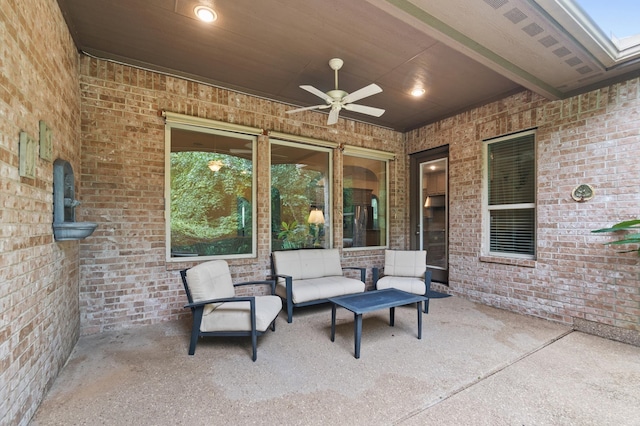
column 205, row 13
column 417, row 92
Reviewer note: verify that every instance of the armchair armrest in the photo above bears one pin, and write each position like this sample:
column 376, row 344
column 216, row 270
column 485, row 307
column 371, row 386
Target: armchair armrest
column 201, row 303
column 288, row 279
column 271, row 283
column 363, row 272
column 377, row 273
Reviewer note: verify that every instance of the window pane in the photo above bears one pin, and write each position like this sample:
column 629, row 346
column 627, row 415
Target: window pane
column 364, row 202
column 512, row 231
column 211, row 193
column 512, row 171
column 511, row 195
column 300, row 209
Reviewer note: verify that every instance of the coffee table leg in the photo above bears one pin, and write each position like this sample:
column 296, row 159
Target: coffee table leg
column 333, row 322
column 392, row 316
column 358, row 332
column 419, row 320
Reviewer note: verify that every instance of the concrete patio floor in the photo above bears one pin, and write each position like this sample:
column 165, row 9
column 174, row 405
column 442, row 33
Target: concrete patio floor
column 475, row 365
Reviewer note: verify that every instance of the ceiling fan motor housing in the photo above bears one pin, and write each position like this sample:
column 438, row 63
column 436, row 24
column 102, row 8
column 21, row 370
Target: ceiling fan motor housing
column 337, row 95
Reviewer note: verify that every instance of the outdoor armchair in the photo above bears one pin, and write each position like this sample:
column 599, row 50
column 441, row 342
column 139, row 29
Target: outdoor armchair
column 217, row 311
column 405, row 270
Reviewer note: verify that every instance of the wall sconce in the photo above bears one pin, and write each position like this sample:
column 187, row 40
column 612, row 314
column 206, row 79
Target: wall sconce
column 427, row 202
column 215, row 165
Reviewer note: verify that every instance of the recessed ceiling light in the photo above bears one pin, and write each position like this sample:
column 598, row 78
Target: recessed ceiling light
column 417, row 92
column 205, row 14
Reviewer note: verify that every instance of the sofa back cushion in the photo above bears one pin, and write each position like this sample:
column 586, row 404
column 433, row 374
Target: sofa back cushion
column 405, row 263
column 307, row 263
column 210, row 280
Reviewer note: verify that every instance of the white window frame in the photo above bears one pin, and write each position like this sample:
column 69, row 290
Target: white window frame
column 313, row 145
column 486, row 208
column 198, row 124
column 372, row 154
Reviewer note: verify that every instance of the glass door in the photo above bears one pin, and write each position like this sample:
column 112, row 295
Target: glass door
column 429, row 209
column 434, row 212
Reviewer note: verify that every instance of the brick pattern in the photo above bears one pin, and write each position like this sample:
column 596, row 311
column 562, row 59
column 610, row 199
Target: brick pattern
column 125, row 280
column 105, row 123
column 38, row 277
column 591, row 138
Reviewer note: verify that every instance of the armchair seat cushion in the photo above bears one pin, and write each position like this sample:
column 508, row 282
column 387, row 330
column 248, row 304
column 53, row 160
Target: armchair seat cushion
column 409, row 284
column 306, row 290
column 236, row 316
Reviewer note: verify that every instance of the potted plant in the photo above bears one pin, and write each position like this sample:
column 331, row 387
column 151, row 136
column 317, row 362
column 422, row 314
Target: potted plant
column 629, row 238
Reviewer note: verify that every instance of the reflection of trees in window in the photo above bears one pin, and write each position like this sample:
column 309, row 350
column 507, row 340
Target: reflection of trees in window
column 299, row 177
column 210, row 210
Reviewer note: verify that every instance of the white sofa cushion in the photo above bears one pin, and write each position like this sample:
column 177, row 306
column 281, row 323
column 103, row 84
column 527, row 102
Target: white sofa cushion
column 405, row 263
column 307, row 263
column 236, row 316
column 408, row 284
column 210, row 280
column 320, row 288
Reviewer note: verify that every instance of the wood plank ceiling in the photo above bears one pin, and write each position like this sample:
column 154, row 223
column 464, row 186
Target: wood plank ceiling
column 463, row 53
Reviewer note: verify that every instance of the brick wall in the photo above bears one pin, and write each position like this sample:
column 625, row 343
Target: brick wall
column 125, row 280
column 592, row 138
column 39, row 278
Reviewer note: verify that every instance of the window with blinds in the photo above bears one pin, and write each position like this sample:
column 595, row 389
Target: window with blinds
column 511, row 195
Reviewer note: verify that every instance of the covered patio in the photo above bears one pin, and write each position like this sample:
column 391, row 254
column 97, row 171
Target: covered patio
column 474, row 365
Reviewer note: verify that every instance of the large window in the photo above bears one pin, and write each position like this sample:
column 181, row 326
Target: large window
column 511, row 196
column 210, row 201
column 300, row 196
column 364, row 207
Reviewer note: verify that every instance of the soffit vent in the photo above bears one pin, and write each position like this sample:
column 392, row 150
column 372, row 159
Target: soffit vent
column 562, row 51
column 533, row 29
column 572, row 62
column 548, row 41
column 496, row 4
column 585, row 70
column 515, row 15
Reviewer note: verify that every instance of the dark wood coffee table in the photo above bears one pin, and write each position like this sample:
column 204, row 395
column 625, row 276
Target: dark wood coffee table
column 369, row 301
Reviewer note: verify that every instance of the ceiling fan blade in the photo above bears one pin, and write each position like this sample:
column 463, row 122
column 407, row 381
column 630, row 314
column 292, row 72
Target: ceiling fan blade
column 291, row 111
column 333, row 116
column 369, row 90
column 317, row 92
column 377, row 112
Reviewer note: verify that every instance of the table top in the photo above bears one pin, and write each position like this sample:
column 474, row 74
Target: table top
column 368, row 301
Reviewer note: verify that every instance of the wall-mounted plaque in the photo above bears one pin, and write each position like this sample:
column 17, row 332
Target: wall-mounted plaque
column 46, row 142
column 582, row 193
column 27, row 155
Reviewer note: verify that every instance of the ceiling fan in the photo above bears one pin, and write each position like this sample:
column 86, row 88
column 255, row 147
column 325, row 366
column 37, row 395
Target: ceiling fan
column 338, row 99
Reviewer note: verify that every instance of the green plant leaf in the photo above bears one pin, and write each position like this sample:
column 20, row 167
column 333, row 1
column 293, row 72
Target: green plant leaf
column 628, row 239
column 631, row 238
column 622, row 226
